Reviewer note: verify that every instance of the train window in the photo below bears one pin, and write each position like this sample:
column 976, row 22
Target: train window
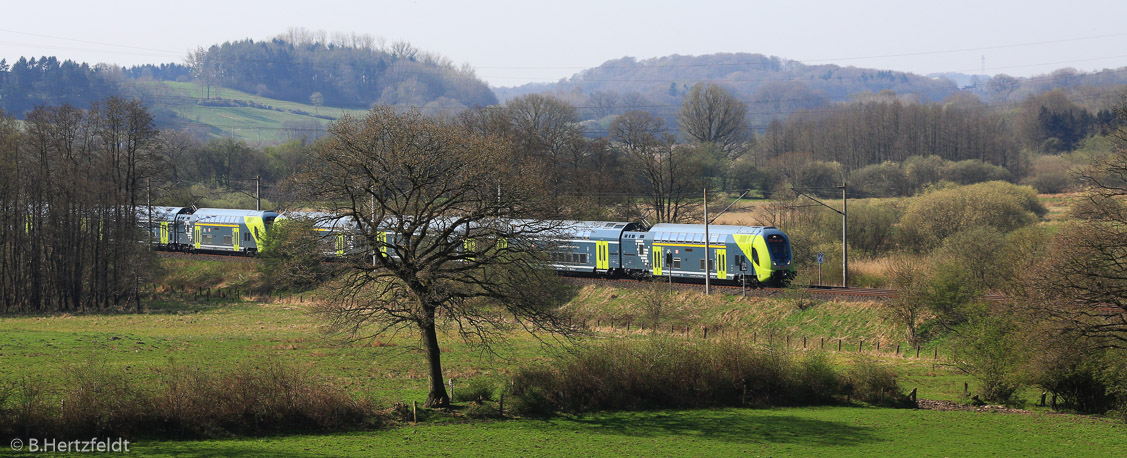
column 778, row 248
column 755, row 256
column 676, row 263
column 246, row 236
column 583, row 258
column 711, row 264
column 227, row 239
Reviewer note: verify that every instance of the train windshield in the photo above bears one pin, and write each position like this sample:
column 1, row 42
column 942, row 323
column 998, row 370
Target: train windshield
column 779, row 248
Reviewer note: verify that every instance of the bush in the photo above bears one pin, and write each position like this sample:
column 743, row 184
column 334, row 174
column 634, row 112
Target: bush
column 874, row 383
column 988, row 348
column 292, row 256
column 1049, row 183
column 667, row 373
column 185, row 402
column 934, row 216
column 1080, row 376
column 871, row 227
column 880, row 180
column 476, row 391
column 973, row 171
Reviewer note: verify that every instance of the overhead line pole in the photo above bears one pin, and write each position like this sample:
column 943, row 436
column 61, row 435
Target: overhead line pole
column 707, row 247
column 844, row 212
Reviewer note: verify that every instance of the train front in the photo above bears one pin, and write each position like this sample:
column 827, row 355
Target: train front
column 778, row 268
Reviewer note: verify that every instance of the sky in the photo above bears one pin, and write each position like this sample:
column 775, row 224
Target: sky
column 510, row 43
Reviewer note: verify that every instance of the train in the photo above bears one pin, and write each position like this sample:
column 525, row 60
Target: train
column 752, row 255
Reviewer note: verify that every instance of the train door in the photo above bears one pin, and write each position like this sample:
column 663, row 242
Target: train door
column 722, row 264
column 164, row 233
column 602, row 256
column 198, row 238
column 235, row 238
column 340, row 244
column 657, row 260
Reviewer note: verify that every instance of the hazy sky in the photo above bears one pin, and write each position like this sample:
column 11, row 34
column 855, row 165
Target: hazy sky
column 514, row 42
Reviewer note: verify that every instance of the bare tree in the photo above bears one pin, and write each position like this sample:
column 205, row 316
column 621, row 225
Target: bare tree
column 713, row 114
column 1081, row 285
column 452, row 215
column 650, row 152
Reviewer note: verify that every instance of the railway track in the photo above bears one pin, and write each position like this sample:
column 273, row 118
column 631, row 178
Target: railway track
column 205, row 256
column 828, row 292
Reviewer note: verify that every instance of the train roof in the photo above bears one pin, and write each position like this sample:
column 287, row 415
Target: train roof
column 593, row 230
column 321, row 220
column 695, row 232
column 205, row 212
column 161, row 213
column 228, row 215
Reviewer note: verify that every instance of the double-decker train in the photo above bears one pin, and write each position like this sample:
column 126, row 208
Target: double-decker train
column 755, row 254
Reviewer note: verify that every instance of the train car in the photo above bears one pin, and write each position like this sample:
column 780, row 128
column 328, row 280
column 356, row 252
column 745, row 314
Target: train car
column 338, row 234
column 588, row 246
column 760, row 255
column 228, row 230
column 165, row 227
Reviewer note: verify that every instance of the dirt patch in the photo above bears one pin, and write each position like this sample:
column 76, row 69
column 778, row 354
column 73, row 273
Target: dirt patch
column 931, row 404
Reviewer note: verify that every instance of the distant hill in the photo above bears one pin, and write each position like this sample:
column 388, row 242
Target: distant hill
column 772, row 86
column 353, row 74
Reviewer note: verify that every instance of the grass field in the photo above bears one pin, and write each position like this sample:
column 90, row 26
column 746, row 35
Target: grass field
column 816, row 431
column 227, row 333
column 252, row 124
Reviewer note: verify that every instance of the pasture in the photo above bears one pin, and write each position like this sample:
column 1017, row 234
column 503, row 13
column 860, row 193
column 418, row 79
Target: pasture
column 224, row 333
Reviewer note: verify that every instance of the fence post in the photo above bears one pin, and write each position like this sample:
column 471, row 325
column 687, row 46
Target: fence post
column 803, row 342
column 706, row 332
column 415, row 411
column 897, row 349
column 860, row 345
column 838, row 344
column 788, row 341
column 917, row 351
column 822, row 344
column 936, row 355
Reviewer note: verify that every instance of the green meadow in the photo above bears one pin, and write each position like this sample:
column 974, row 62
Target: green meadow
column 183, row 329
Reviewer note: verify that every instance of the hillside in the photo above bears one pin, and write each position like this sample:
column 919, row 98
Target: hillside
column 351, row 73
column 772, row 86
column 229, row 112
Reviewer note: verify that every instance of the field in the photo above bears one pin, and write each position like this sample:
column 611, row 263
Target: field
column 261, row 121
column 217, row 333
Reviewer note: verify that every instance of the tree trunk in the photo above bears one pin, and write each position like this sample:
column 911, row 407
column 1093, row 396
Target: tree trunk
column 437, row 396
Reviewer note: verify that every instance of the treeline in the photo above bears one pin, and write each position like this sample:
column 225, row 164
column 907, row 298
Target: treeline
column 772, row 87
column 72, row 186
column 347, row 71
column 28, row 83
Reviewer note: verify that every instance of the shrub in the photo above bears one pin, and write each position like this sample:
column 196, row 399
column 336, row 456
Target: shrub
column 871, row 227
column 184, row 402
column 476, row 391
column 875, row 384
column 934, row 216
column 1049, row 183
column 667, row 373
column 988, row 348
column 922, row 171
column 1080, row 376
column 880, row 180
column 291, row 256
column 973, row 171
